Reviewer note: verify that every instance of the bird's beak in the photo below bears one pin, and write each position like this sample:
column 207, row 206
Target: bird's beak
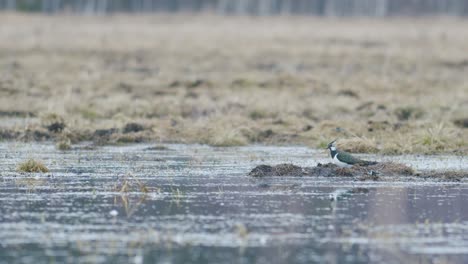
column 331, row 143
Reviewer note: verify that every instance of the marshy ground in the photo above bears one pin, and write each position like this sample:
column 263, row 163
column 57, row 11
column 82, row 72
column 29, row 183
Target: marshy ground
column 394, row 86
column 89, row 86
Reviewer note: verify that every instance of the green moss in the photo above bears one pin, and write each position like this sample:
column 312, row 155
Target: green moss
column 89, row 114
column 322, row 144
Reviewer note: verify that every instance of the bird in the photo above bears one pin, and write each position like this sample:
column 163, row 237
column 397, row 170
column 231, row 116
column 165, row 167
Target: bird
column 345, row 159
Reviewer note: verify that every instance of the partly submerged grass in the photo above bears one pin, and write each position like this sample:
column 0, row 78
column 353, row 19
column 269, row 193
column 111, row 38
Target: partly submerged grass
column 32, row 165
column 277, row 81
column 64, row 145
column 131, row 184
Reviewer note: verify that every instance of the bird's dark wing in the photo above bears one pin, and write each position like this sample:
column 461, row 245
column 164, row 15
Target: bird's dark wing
column 350, row 159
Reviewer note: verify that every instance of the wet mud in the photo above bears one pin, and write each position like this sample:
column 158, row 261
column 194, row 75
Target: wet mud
column 379, row 171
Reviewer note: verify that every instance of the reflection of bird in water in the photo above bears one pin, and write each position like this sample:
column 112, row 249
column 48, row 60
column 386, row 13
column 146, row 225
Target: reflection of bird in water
column 341, row 194
column 345, row 159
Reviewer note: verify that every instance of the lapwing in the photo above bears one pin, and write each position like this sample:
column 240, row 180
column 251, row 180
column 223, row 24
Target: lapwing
column 345, row 159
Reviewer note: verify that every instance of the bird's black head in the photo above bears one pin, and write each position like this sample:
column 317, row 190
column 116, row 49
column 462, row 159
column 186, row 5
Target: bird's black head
column 331, row 145
column 332, row 148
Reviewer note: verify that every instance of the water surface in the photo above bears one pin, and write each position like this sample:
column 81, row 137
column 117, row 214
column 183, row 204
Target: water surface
column 195, row 204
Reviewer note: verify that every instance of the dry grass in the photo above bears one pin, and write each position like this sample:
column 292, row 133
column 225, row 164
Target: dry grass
column 396, row 86
column 32, row 166
column 357, row 145
column 131, row 184
column 64, row 145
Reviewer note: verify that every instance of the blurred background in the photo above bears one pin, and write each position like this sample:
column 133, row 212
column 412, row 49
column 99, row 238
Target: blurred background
column 375, row 8
column 385, row 76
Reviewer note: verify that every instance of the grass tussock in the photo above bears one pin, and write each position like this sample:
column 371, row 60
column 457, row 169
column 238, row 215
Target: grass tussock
column 32, row 165
column 225, row 139
column 64, row 144
column 357, row 145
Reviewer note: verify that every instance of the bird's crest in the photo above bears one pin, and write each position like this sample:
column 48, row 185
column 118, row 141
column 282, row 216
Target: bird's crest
column 331, row 144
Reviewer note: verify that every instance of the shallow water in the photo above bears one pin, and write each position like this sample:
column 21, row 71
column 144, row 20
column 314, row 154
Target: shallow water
column 202, row 208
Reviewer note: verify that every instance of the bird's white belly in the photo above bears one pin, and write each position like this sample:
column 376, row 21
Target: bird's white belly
column 339, row 163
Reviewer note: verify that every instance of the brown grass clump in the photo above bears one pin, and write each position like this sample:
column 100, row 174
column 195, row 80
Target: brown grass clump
column 32, row 165
column 218, row 133
column 64, row 144
column 226, row 139
column 357, row 145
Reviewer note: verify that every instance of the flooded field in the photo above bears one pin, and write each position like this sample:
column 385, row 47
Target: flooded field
column 196, row 204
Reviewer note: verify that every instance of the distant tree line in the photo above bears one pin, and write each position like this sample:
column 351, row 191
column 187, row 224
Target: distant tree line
column 378, row 8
